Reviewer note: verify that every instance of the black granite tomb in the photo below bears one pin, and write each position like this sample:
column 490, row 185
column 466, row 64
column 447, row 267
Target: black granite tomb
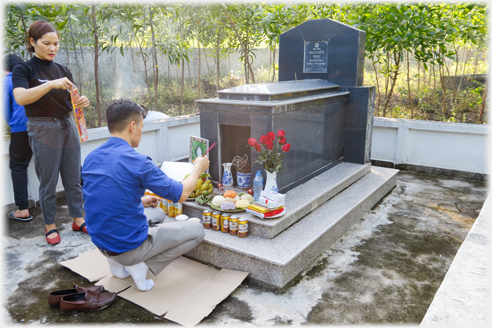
column 325, row 122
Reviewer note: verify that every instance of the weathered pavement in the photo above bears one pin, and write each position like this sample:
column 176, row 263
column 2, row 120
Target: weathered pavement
column 385, row 270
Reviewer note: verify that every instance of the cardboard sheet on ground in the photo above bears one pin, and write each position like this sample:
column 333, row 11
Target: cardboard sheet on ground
column 184, row 292
column 91, row 265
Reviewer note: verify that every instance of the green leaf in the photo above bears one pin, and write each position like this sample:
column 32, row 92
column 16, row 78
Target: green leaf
column 63, row 9
column 62, row 24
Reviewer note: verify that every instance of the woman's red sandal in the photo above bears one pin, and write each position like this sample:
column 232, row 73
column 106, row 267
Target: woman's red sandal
column 52, row 241
column 82, row 227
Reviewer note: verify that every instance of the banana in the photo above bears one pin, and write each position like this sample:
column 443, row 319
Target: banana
column 198, row 184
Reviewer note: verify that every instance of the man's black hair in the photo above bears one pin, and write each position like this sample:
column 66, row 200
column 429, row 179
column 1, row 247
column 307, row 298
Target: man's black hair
column 9, row 62
column 120, row 112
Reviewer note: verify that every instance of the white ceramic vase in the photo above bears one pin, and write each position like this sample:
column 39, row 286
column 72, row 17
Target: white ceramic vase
column 271, row 182
column 227, row 175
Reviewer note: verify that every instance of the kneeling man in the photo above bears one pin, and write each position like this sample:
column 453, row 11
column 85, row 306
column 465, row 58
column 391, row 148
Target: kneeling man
column 115, row 178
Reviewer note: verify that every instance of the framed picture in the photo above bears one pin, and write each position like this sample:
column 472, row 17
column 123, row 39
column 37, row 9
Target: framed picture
column 198, row 147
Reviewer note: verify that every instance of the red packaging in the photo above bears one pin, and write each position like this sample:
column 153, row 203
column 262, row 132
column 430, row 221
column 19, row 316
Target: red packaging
column 79, row 116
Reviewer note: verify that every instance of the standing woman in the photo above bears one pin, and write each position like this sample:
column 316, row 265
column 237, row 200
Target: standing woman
column 42, row 87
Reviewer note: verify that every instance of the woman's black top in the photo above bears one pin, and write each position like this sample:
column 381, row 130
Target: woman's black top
column 34, row 72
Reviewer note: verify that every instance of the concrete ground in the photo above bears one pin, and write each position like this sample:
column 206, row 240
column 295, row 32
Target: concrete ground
column 385, row 270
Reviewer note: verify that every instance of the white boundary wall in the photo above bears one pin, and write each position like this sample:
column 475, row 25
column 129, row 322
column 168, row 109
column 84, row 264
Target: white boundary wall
column 453, row 146
column 163, row 140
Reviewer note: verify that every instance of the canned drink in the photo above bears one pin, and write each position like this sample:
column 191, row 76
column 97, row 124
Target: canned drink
column 163, row 205
column 233, row 224
column 224, row 222
column 242, row 230
column 171, row 209
column 207, row 219
column 178, row 209
column 216, row 221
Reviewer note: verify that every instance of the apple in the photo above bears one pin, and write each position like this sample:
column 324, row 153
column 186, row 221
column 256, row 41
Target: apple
column 250, row 192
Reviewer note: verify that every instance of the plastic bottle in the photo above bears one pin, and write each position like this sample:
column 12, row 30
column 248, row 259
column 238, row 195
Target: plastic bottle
column 257, row 185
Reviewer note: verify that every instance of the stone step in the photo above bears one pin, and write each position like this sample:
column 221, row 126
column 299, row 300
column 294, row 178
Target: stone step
column 299, row 201
column 277, row 261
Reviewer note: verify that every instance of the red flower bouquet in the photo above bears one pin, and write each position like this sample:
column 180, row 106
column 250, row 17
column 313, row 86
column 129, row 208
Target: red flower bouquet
column 271, row 150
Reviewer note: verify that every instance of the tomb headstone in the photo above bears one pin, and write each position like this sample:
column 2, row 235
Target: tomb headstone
column 322, row 49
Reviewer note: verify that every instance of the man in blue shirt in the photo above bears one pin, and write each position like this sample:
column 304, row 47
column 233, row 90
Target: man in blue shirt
column 115, row 178
column 19, row 150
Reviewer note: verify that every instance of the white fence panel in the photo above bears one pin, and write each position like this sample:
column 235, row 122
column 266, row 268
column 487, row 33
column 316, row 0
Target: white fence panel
column 384, row 143
column 452, row 146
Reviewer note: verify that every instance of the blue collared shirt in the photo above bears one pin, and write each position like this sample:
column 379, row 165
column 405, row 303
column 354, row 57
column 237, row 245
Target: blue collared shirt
column 115, row 177
column 13, row 113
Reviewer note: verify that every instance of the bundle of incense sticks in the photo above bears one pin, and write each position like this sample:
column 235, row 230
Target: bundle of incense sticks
column 79, row 115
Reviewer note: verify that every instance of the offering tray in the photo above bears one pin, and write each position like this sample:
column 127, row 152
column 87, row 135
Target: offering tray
column 227, row 211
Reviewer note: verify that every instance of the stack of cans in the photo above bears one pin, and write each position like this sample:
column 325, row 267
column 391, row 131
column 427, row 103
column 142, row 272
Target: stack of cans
column 173, row 209
column 170, row 208
column 226, row 223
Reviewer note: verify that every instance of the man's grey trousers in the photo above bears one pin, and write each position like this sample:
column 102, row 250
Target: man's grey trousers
column 164, row 243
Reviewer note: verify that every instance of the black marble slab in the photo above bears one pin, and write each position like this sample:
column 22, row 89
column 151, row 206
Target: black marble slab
column 359, row 118
column 270, row 107
column 344, row 55
column 278, row 90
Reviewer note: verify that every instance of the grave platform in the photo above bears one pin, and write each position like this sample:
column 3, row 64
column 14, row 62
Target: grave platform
column 276, row 261
column 299, row 201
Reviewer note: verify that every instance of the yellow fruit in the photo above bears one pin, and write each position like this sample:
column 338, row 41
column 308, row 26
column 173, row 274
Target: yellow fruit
column 198, row 192
column 198, row 184
column 211, row 189
column 204, row 186
column 192, row 195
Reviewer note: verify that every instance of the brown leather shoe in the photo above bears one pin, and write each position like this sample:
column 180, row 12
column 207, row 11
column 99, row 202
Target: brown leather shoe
column 86, row 301
column 55, row 297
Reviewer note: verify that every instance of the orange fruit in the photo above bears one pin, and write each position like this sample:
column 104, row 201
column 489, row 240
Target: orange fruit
column 230, row 194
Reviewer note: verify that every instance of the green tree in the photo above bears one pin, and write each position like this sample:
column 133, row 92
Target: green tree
column 247, row 34
column 274, row 21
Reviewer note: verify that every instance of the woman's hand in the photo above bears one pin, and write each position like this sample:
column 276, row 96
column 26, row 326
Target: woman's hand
column 150, row 201
column 63, row 83
column 83, row 102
